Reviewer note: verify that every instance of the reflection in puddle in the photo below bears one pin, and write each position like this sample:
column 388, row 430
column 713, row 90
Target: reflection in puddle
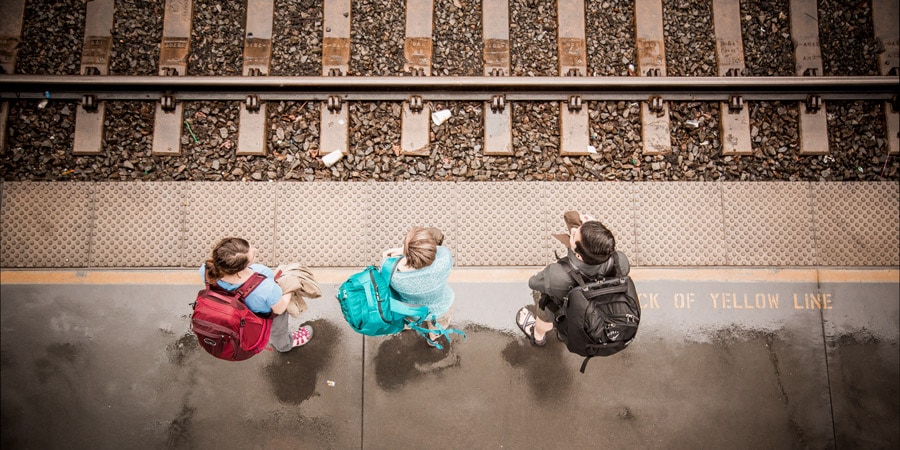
column 547, row 374
column 405, row 357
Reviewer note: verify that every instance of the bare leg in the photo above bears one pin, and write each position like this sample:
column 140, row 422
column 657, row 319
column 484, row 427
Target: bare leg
column 541, row 328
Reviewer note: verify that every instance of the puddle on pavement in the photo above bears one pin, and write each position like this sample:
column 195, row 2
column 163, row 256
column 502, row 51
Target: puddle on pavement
column 294, row 374
column 405, row 357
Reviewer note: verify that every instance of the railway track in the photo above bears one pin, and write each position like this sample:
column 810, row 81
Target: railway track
column 556, row 114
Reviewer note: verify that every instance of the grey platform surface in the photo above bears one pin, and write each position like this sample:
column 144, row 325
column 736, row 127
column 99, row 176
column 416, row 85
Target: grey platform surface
column 726, row 358
column 332, row 224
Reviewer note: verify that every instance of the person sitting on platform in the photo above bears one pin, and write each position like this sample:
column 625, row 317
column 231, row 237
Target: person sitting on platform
column 420, row 277
column 232, row 263
column 591, row 249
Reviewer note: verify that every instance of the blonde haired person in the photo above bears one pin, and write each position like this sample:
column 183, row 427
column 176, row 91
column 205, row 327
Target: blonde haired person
column 232, row 263
column 420, row 277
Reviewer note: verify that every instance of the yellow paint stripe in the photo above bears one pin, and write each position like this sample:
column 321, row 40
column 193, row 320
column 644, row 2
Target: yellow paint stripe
column 468, row 275
column 99, row 277
column 722, row 274
column 859, row 275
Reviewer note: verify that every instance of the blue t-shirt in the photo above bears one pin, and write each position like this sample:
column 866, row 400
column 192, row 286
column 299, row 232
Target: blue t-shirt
column 261, row 299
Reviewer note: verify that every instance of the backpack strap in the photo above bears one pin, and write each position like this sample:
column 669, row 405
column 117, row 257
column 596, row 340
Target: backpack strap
column 572, row 271
column 242, row 291
column 245, row 289
column 584, row 363
column 390, row 266
column 439, row 329
column 405, row 309
column 609, row 345
column 554, row 304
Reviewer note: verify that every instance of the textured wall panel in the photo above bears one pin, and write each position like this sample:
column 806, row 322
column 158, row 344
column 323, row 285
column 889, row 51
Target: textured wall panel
column 45, row 224
column 396, row 207
column 324, row 224
column 768, row 224
column 679, row 224
column 71, row 224
column 857, row 223
column 138, row 225
column 501, row 224
column 218, row 210
column 610, row 203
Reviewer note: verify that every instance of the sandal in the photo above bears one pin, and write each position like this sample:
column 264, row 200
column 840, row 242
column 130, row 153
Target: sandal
column 525, row 320
column 302, row 336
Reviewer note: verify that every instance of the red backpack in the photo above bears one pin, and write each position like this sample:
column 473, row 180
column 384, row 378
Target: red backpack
column 224, row 325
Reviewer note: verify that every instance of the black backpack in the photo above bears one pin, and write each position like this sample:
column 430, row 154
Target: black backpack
column 599, row 317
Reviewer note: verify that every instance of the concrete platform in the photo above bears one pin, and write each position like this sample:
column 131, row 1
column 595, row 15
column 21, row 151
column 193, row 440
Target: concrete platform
column 725, row 358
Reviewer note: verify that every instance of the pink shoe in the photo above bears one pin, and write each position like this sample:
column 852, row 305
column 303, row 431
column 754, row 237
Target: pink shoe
column 302, row 336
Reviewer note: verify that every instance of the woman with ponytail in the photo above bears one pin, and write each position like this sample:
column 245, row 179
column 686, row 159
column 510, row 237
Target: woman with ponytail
column 233, row 262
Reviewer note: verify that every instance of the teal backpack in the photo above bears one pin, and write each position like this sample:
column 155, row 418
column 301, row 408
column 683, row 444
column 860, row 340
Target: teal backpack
column 372, row 308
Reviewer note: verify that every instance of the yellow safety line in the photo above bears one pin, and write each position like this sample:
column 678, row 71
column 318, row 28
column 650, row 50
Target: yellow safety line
column 470, row 275
column 860, row 275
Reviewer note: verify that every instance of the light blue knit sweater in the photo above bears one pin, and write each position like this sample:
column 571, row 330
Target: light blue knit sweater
column 427, row 286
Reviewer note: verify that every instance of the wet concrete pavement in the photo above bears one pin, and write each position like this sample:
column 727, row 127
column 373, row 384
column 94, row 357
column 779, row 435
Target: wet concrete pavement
column 725, row 358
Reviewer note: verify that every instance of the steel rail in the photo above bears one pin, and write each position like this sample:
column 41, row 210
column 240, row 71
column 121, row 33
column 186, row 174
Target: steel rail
column 14, row 87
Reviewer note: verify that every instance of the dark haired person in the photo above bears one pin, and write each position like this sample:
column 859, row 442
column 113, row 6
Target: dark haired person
column 232, row 263
column 592, row 248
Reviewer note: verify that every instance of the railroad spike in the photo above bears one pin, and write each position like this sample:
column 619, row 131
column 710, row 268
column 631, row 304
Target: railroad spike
column 89, row 102
column 498, row 103
column 334, row 103
column 813, row 103
column 656, row 105
column 167, row 102
column 415, row 103
column 735, row 103
column 252, row 103
column 575, row 103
